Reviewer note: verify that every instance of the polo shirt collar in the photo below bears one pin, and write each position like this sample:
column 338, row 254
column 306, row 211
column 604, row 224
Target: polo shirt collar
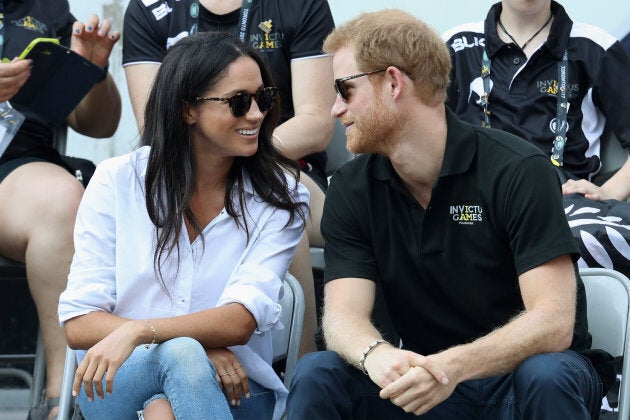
column 458, row 154
column 460, row 148
column 558, row 34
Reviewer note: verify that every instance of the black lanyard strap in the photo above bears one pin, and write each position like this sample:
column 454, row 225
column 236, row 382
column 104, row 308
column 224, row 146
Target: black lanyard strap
column 562, row 107
column 243, row 21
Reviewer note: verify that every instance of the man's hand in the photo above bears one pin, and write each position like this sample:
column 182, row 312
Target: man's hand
column 92, row 39
column 386, row 364
column 411, row 381
column 13, row 75
column 417, row 391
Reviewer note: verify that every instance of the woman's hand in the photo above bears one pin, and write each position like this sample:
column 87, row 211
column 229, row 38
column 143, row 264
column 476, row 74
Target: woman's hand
column 104, row 359
column 93, row 41
column 231, row 375
column 13, row 75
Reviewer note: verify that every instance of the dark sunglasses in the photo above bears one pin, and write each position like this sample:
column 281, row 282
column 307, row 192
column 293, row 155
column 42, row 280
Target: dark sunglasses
column 340, row 84
column 242, row 102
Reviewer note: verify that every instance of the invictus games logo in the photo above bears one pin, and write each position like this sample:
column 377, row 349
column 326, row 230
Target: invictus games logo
column 267, row 38
column 30, row 23
column 465, row 214
column 550, row 88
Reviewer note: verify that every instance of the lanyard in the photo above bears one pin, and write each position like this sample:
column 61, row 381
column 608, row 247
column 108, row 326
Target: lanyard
column 562, row 106
column 243, row 21
column 562, row 109
column 2, row 19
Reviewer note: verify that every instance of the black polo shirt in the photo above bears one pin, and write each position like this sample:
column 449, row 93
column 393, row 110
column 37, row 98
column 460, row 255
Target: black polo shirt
column 23, row 22
column 523, row 96
column 449, row 274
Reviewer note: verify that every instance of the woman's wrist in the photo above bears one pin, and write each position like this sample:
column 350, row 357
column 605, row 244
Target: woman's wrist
column 143, row 335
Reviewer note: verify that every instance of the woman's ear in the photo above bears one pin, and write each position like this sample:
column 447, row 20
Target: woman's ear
column 189, row 114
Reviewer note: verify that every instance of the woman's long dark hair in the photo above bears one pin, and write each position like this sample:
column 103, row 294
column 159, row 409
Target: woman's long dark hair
column 190, row 68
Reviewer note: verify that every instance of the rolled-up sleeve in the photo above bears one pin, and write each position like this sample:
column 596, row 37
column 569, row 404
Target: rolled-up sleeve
column 91, row 282
column 257, row 281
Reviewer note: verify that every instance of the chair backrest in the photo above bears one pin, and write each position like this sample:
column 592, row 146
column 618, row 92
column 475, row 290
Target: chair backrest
column 286, row 342
column 613, row 155
column 608, row 303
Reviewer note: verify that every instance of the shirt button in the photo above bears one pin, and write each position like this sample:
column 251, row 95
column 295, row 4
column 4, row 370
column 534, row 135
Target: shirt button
column 516, row 61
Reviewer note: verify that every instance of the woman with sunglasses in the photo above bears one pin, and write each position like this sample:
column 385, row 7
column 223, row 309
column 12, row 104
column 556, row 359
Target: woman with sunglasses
column 182, row 247
column 289, row 35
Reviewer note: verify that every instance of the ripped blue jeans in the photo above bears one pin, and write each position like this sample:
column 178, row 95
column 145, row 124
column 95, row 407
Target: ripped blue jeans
column 179, row 371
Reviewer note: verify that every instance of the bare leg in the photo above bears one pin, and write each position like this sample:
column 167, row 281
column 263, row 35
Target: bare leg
column 38, row 204
column 159, row 409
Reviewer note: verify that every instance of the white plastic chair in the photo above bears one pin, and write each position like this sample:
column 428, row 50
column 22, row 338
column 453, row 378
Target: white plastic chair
column 286, row 343
column 608, row 303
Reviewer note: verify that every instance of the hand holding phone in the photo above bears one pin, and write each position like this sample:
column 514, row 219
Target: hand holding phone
column 13, row 75
column 59, row 79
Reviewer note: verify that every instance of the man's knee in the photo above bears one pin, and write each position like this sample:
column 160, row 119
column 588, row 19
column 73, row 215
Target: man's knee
column 560, row 385
column 317, row 369
column 320, row 387
column 546, row 373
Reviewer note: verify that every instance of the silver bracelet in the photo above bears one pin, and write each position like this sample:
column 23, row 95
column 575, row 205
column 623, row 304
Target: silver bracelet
column 146, row 346
column 367, row 351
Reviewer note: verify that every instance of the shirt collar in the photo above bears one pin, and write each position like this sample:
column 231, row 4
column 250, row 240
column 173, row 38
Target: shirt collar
column 558, row 34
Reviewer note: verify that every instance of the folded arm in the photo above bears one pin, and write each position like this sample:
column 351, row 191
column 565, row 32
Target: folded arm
column 310, row 130
column 98, row 113
column 546, row 325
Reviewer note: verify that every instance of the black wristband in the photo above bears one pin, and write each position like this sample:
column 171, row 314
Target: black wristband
column 105, row 73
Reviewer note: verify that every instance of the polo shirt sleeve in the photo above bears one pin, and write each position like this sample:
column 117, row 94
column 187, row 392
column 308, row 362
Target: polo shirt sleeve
column 315, row 23
column 611, row 91
column 257, row 280
column 534, row 215
column 348, row 250
column 142, row 42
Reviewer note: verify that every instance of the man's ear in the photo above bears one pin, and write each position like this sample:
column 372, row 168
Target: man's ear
column 189, row 114
column 396, row 82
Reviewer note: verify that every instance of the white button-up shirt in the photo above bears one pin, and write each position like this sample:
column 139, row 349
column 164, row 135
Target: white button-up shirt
column 112, row 269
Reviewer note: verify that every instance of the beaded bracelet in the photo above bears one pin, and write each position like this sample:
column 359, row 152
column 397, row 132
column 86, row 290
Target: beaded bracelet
column 146, row 346
column 367, row 351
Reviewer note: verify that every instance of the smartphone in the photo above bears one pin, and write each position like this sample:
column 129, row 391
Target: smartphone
column 42, row 42
column 33, row 44
column 59, row 79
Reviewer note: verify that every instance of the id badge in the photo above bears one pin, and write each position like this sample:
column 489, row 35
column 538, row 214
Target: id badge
column 10, row 122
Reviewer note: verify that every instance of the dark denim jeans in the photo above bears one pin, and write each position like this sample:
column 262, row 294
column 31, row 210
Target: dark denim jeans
column 547, row 386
